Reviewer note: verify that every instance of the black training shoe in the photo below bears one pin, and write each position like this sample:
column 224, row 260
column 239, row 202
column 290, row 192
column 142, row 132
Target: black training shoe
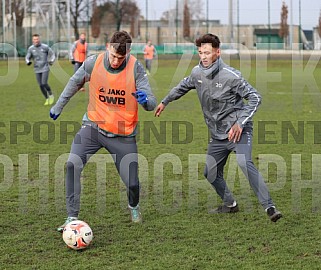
column 274, row 214
column 225, row 209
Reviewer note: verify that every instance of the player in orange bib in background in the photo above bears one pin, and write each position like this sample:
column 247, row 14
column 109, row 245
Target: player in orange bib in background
column 117, row 84
column 79, row 52
column 149, row 54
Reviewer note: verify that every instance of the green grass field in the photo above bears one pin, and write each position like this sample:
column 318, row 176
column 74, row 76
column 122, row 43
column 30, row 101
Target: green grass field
column 177, row 232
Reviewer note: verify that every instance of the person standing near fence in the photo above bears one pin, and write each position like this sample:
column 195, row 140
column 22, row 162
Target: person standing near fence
column 149, row 55
column 43, row 56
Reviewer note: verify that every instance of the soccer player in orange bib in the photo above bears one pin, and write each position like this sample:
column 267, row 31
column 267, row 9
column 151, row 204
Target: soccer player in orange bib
column 117, row 84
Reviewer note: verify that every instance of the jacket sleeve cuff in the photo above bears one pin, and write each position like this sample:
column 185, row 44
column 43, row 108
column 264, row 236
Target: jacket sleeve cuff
column 240, row 123
column 165, row 101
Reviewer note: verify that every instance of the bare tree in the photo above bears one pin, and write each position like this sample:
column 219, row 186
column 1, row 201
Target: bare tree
column 96, row 20
column 78, row 13
column 121, row 11
column 186, row 24
column 16, row 7
column 79, row 10
column 107, row 11
column 130, row 13
column 126, row 11
column 284, row 27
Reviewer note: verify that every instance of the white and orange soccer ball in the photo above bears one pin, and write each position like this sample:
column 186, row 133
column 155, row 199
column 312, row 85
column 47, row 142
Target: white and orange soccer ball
column 77, row 235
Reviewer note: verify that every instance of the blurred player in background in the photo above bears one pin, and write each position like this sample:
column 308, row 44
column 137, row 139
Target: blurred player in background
column 117, row 84
column 79, row 52
column 43, row 56
column 222, row 90
column 149, row 55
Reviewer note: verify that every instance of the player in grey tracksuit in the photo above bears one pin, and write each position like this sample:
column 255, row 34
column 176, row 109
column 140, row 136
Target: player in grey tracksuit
column 43, row 56
column 222, row 90
column 91, row 137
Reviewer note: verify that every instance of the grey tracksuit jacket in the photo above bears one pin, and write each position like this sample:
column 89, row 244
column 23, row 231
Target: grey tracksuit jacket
column 221, row 90
column 42, row 56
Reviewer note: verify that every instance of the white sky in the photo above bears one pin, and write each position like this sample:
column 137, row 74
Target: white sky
column 250, row 12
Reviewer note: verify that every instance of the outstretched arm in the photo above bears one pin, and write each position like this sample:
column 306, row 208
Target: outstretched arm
column 180, row 90
column 177, row 92
column 75, row 83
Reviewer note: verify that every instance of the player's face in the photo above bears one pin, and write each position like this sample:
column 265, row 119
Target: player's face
column 208, row 54
column 35, row 41
column 115, row 59
column 82, row 37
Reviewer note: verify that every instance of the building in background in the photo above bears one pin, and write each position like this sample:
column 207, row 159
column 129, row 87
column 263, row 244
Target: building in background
column 166, row 33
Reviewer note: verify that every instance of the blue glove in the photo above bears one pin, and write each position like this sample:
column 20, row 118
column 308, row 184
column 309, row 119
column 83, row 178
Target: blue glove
column 141, row 97
column 54, row 112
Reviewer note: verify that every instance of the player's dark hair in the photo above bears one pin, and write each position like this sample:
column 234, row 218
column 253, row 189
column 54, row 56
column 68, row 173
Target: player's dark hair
column 35, row 35
column 121, row 42
column 208, row 38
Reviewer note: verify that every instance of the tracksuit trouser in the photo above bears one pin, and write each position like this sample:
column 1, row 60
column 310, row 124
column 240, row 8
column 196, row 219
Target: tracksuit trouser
column 42, row 79
column 217, row 155
column 87, row 142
